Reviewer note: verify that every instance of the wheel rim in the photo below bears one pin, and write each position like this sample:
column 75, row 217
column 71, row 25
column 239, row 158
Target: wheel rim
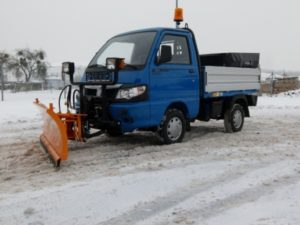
column 237, row 118
column 174, row 128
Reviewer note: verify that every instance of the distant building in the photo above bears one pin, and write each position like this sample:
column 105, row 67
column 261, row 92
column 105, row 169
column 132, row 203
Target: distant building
column 54, row 80
column 54, row 83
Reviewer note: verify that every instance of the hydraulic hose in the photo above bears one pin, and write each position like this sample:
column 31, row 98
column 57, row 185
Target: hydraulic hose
column 68, row 97
column 73, row 98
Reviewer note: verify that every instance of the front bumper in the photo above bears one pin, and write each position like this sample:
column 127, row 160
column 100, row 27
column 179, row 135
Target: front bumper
column 130, row 116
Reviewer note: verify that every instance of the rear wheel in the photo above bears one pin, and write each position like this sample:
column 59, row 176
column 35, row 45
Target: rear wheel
column 174, row 127
column 234, row 118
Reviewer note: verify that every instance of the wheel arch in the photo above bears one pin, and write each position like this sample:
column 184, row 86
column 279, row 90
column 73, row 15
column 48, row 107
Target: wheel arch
column 238, row 99
column 244, row 103
column 179, row 106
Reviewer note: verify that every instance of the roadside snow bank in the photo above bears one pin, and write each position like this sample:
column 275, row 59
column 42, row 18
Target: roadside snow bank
column 18, row 107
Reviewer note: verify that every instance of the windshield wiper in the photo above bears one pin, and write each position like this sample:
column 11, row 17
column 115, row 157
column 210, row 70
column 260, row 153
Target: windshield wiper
column 131, row 66
column 96, row 65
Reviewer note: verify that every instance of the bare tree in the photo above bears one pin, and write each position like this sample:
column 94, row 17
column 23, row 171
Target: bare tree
column 4, row 58
column 29, row 63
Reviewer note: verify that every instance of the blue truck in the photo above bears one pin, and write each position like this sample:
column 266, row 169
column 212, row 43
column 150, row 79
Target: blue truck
column 153, row 80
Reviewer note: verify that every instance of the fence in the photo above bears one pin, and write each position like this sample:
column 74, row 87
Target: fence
column 53, row 81
column 280, row 85
column 17, row 87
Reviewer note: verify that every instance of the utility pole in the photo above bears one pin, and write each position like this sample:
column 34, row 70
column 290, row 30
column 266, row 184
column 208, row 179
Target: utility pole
column 272, row 83
column 177, row 23
column 2, row 83
column 3, row 60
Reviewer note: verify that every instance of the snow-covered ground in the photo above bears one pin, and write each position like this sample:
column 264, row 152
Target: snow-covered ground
column 212, row 178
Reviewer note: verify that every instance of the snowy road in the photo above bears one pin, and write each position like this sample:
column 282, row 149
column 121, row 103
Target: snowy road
column 212, row 178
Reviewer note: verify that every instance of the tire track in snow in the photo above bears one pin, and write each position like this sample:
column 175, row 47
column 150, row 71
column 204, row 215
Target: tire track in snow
column 144, row 211
column 220, row 205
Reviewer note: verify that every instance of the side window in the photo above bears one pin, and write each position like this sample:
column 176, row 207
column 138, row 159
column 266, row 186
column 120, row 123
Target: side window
column 180, row 49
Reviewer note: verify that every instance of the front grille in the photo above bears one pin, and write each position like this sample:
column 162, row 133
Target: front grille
column 100, row 76
column 111, row 93
column 97, row 92
column 91, row 92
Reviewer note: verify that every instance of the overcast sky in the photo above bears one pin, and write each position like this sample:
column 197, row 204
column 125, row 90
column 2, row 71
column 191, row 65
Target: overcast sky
column 75, row 29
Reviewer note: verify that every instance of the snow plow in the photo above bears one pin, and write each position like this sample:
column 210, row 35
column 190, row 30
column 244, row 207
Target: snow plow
column 72, row 125
column 57, row 130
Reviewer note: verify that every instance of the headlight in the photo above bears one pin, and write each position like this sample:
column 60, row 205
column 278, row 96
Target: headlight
column 129, row 93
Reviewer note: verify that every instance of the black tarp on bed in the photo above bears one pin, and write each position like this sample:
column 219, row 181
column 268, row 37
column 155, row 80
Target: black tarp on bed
column 245, row 60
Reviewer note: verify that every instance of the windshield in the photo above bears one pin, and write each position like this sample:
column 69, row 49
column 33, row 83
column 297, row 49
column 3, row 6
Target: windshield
column 133, row 47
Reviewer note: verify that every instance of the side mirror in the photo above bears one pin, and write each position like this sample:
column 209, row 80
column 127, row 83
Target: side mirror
column 165, row 54
column 68, row 68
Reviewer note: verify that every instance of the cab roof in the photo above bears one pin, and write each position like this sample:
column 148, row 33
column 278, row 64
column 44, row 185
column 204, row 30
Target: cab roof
column 156, row 29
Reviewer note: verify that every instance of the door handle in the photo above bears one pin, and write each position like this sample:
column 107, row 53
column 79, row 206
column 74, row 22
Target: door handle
column 159, row 70
column 191, row 71
column 155, row 70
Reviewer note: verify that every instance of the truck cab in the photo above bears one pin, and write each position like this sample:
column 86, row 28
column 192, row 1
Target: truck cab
column 153, row 79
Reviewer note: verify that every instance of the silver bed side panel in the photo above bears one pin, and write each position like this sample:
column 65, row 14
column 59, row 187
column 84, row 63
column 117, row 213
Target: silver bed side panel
column 231, row 78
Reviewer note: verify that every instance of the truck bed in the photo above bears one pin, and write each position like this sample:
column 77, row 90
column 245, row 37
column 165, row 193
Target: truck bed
column 231, row 59
column 223, row 79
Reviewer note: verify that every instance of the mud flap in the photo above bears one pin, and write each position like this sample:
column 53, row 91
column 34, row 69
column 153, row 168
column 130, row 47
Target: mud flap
column 54, row 137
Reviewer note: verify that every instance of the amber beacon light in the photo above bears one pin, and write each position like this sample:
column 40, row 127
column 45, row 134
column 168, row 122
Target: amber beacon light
column 178, row 15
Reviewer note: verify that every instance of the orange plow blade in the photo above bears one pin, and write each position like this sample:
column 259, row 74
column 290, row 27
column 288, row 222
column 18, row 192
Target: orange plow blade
column 58, row 128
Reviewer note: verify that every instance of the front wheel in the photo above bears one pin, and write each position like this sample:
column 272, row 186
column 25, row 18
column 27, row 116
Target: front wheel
column 114, row 133
column 234, row 118
column 173, row 127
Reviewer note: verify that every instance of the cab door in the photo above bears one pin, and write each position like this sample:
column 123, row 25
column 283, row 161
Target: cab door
column 177, row 81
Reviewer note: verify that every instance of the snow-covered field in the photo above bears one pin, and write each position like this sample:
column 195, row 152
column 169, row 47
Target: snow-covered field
column 212, row 178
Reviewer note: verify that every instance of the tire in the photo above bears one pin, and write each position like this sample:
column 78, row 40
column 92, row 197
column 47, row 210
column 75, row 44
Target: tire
column 173, row 127
column 234, row 118
column 114, row 133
